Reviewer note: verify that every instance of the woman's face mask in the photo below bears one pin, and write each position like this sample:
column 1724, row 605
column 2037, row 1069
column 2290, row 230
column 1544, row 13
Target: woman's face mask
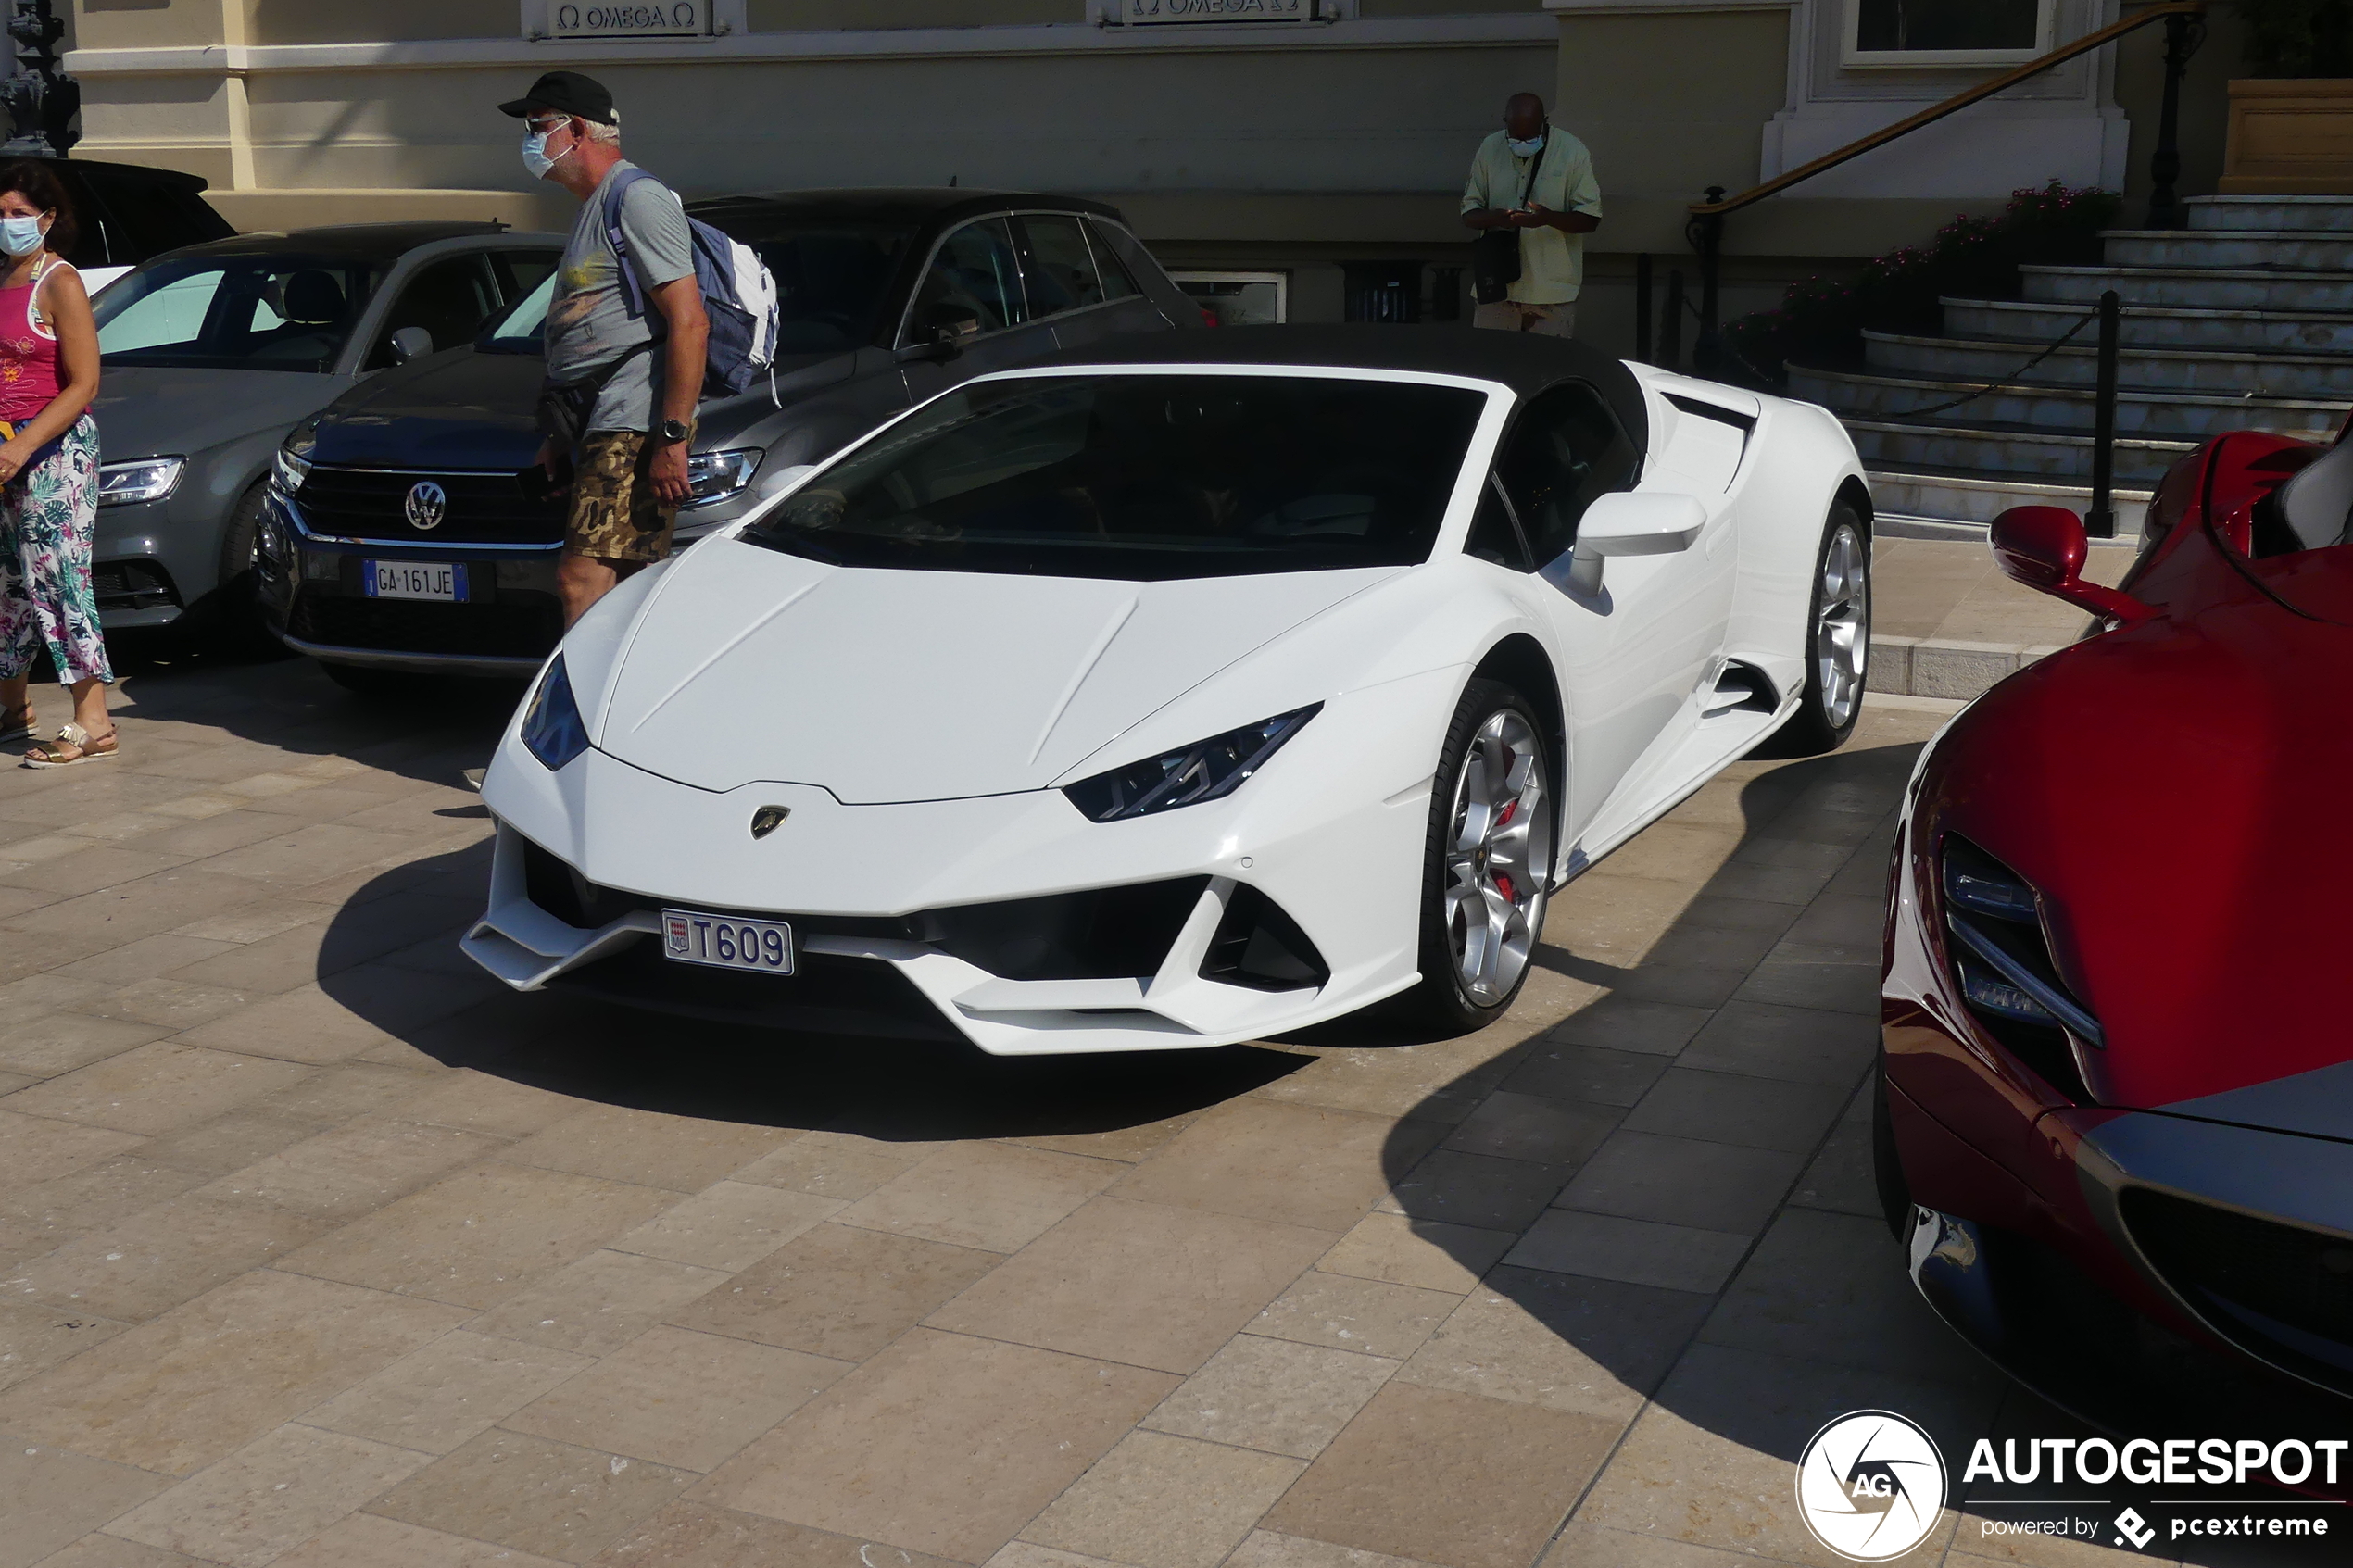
column 22, row 236
column 535, row 151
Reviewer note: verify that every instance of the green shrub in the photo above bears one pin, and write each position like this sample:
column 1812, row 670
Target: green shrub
column 2297, row 37
column 1820, row 321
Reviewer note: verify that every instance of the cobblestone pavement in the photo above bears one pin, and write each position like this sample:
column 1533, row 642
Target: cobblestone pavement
column 317, row 1247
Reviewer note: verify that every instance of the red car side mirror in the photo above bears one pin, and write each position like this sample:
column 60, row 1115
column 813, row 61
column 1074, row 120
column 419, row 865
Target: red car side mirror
column 2044, row 548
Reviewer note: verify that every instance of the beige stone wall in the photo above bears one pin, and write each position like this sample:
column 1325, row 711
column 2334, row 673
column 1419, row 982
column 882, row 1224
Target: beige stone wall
column 136, row 24
column 349, row 21
column 798, row 15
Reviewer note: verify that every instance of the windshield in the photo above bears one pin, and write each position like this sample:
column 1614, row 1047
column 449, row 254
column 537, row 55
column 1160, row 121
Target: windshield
column 246, row 312
column 1144, row 478
column 830, row 281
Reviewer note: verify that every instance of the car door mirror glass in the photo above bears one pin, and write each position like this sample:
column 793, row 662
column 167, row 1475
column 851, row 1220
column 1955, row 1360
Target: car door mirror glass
column 410, row 342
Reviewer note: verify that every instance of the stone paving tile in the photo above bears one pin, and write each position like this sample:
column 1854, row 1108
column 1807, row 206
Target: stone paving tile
column 206, row 1378
column 838, row 1292
column 1275, row 1395
column 155, row 1088
column 1635, row 1252
column 368, row 1540
column 1737, row 1109
column 552, row 1499
column 1162, row 1501
column 694, row 1535
column 1683, row 1182
column 1139, row 1282
column 1004, row 1429
column 480, row 1236
column 1265, row 1548
column 1476, row 1189
column 599, row 1304
column 987, row 1196
column 728, row 1226
column 1803, row 1045
column 37, row 1219
column 1593, row 1347
column 48, row 1496
column 1533, row 1127
column 445, row 1394
column 1348, row 1313
column 1446, row 1477
column 1428, row 1254
column 35, row 1148
column 35, row 1338
column 621, row 1145
column 113, row 1551
column 354, row 1169
column 268, row 1497
column 1294, row 1164
column 145, row 1265
column 683, row 1400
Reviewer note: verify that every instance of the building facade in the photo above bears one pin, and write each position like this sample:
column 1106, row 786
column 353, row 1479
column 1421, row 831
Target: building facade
column 1309, row 152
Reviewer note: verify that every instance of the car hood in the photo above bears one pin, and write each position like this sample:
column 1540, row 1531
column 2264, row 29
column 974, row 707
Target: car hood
column 2177, row 791
column 159, row 410
column 461, row 408
column 749, row 665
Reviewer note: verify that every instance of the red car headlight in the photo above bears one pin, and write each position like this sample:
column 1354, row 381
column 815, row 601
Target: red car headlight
column 2002, row 965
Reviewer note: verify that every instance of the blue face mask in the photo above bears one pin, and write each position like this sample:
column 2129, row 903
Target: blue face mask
column 20, row 236
column 1526, row 150
column 535, row 155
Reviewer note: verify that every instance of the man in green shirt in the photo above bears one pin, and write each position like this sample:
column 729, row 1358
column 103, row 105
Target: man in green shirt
column 1561, row 206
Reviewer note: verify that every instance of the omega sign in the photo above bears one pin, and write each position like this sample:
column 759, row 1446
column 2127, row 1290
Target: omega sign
column 628, row 18
column 1144, row 13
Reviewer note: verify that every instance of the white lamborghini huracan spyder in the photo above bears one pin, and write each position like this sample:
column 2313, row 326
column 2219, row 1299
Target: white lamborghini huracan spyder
column 1185, row 694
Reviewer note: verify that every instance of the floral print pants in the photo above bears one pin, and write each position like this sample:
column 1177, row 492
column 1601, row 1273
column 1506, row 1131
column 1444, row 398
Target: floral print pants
column 47, row 514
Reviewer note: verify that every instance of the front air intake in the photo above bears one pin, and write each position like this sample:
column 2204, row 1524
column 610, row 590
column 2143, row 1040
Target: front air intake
column 1258, row 946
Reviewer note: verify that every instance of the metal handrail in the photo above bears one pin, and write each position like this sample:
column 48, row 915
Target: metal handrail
column 2184, row 29
column 1952, row 105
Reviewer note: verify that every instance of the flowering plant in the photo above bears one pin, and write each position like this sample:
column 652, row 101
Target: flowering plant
column 1821, row 321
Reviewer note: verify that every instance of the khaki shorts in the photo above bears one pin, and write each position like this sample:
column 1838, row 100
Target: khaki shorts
column 614, row 515
column 1511, row 316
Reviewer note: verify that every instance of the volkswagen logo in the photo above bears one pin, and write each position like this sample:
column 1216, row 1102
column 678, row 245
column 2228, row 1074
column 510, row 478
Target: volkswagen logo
column 768, row 819
column 427, row 504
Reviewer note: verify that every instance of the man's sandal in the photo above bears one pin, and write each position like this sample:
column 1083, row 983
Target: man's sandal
column 73, row 745
column 15, row 725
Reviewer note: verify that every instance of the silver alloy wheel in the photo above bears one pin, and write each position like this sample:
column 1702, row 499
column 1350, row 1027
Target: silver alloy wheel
column 1499, row 857
column 1842, row 628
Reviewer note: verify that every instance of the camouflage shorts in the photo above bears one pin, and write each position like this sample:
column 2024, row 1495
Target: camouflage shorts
column 614, row 515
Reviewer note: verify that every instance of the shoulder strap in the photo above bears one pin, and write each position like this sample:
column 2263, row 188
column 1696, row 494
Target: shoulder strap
column 633, row 293
column 1535, row 164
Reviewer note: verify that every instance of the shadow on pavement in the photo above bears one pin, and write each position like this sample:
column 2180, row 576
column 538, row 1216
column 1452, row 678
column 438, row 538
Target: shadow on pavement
column 1675, row 1186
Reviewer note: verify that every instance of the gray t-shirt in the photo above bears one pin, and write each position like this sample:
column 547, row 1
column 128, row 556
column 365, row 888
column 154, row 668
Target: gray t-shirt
column 588, row 322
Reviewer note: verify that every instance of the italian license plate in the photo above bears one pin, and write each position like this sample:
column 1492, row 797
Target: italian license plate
column 726, row 942
column 440, row 580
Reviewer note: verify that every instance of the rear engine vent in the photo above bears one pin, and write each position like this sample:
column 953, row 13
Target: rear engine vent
column 2283, row 1292
column 1258, row 946
column 2002, row 967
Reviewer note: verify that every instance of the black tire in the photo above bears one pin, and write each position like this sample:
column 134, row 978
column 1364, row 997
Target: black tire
column 235, row 624
column 1887, row 1164
column 1827, row 712
column 1445, row 1002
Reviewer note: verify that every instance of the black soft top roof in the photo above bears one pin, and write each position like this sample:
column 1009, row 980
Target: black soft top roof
column 1523, row 361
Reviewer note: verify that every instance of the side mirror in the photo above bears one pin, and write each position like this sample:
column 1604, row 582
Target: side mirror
column 2044, row 548
column 1628, row 522
column 409, row 343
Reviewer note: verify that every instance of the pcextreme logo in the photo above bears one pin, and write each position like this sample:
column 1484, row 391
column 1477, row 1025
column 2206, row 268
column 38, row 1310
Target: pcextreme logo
column 1870, row 1486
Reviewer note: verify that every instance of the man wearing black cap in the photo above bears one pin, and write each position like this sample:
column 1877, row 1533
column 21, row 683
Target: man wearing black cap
column 628, row 384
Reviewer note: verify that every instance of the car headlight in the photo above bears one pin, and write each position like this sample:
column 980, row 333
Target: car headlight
column 714, row 476
column 2002, row 962
column 1207, row 770
column 552, row 729
column 290, row 471
column 147, row 479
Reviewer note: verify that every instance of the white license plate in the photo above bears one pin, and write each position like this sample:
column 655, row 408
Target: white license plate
column 726, row 941
column 440, row 580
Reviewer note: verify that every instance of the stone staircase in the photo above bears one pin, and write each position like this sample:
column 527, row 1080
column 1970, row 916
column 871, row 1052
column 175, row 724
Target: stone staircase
column 2242, row 321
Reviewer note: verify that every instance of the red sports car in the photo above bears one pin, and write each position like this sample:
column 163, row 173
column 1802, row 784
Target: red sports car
column 2115, row 1125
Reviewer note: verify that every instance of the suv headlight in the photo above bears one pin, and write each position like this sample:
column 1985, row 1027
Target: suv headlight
column 292, row 465
column 1207, row 770
column 146, row 479
column 714, row 476
column 552, row 730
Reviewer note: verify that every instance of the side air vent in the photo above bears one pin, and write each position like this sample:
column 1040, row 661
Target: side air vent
column 1741, row 688
column 1258, row 946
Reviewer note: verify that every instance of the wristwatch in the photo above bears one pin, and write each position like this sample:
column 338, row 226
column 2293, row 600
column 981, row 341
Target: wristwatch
column 671, row 430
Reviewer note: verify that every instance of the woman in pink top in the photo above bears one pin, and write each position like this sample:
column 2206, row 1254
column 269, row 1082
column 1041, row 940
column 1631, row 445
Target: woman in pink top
column 48, row 473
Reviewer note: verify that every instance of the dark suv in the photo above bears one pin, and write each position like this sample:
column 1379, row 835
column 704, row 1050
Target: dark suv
column 404, row 531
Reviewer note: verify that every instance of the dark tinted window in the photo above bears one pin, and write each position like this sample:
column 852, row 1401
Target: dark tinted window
column 973, row 279
column 449, row 299
column 1564, row 448
column 1118, row 285
column 1057, row 266
column 520, row 272
column 1493, row 536
column 251, row 312
column 830, row 282
column 1144, row 478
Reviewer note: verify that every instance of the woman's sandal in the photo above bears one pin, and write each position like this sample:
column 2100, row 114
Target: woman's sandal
column 17, row 725
column 74, row 740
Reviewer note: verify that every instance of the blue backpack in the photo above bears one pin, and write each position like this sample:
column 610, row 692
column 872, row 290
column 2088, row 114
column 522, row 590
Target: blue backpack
column 738, row 295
